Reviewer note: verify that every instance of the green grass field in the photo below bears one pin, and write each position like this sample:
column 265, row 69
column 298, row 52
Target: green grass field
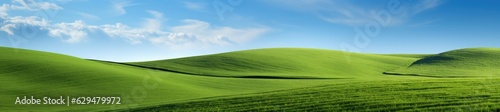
column 286, row 62
column 277, row 79
column 470, row 62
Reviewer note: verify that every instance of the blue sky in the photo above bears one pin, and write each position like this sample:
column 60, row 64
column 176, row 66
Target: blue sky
column 127, row 30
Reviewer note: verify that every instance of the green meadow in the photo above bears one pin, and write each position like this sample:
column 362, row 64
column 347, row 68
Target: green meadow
column 275, row 79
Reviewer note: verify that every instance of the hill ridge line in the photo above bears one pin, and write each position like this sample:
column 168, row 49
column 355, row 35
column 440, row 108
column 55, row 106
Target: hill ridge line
column 210, row 75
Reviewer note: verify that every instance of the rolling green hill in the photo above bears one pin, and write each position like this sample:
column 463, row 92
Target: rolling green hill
column 469, row 62
column 264, row 79
column 286, row 63
column 42, row 74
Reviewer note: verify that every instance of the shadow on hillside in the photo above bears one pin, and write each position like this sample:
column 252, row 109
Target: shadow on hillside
column 420, row 75
column 431, row 59
column 209, row 75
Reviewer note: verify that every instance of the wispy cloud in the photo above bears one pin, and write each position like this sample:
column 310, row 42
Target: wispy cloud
column 70, row 32
column 192, row 33
column 3, row 10
column 75, row 31
column 119, row 7
column 207, row 34
column 155, row 23
column 8, row 28
column 10, row 24
column 426, row 5
column 89, row 16
column 33, row 5
column 352, row 13
column 151, row 27
column 194, row 6
column 30, row 20
column 29, row 5
column 119, row 30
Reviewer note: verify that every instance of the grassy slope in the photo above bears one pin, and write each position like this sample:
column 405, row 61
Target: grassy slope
column 46, row 74
column 26, row 72
column 287, row 62
column 470, row 62
column 377, row 95
column 382, row 94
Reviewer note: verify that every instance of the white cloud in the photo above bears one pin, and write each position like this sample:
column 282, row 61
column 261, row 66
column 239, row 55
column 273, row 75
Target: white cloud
column 193, row 33
column 34, row 6
column 3, row 10
column 12, row 23
column 8, row 28
column 205, row 33
column 119, row 7
column 75, row 31
column 123, row 31
column 176, row 40
column 29, row 5
column 151, row 27
column 30, row 20
column 70, row 32
column 353, row 13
